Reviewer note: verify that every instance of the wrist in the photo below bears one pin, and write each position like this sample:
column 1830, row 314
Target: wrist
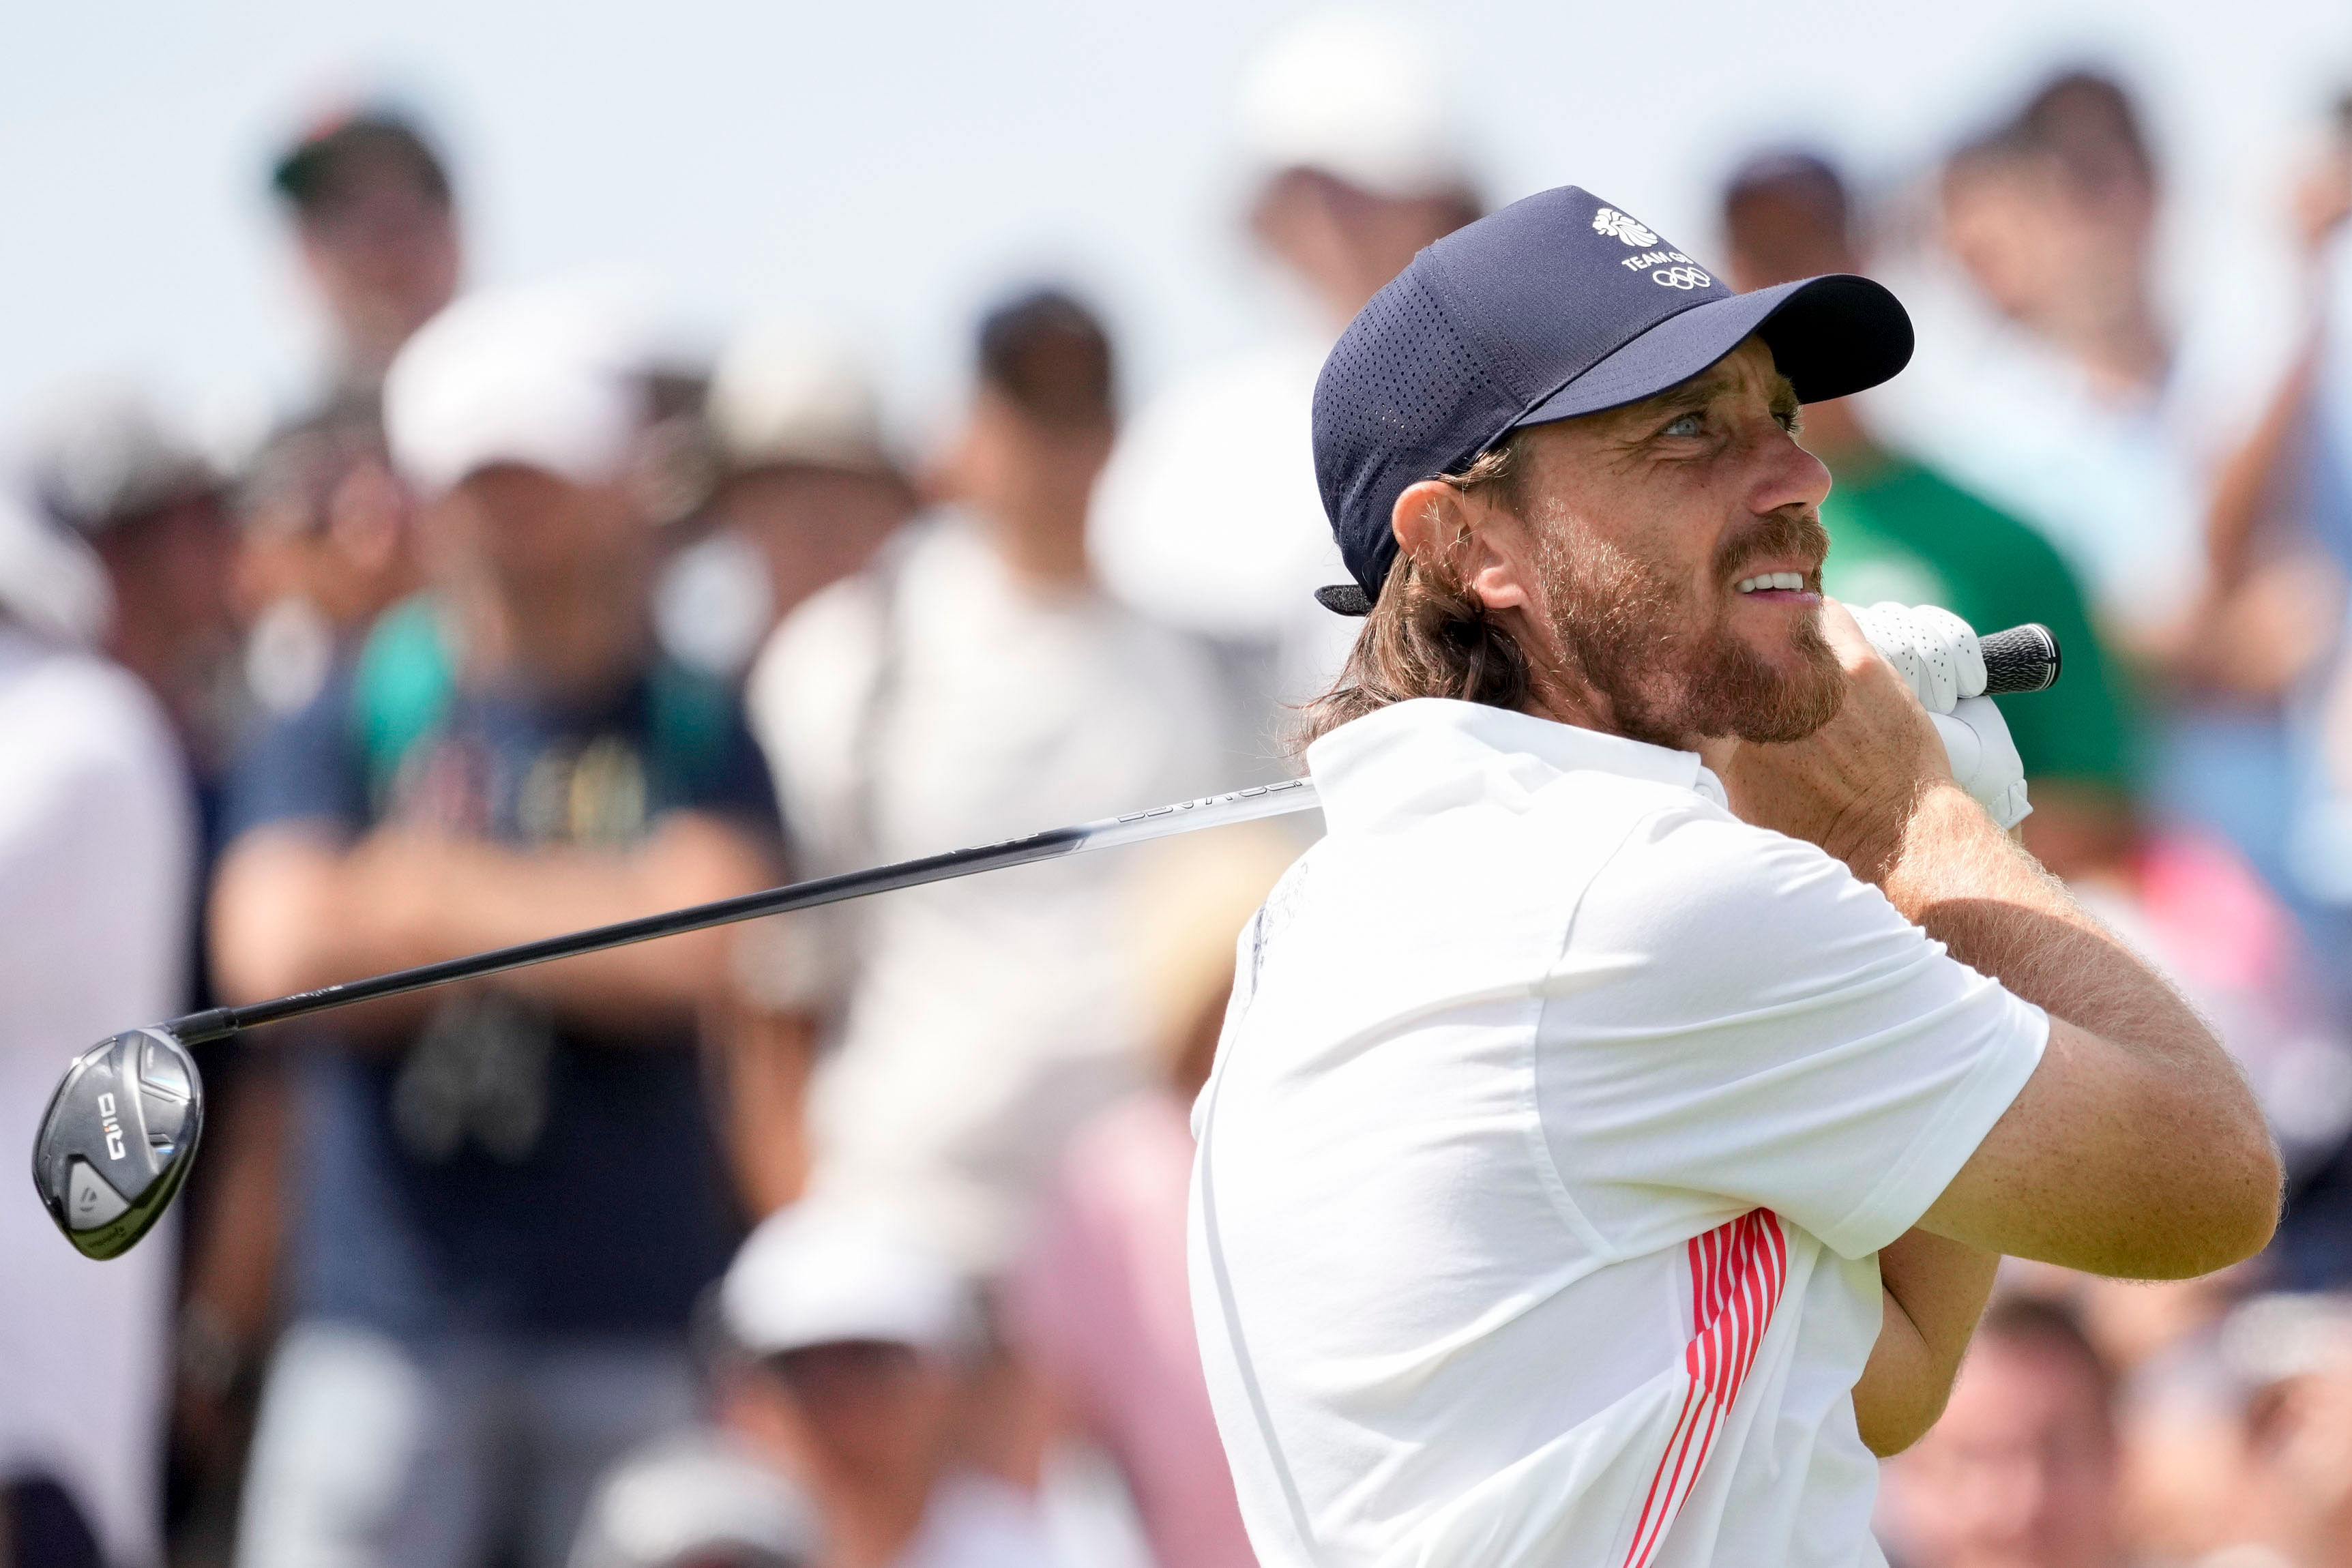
column 1873, row 836
column 1946, row 834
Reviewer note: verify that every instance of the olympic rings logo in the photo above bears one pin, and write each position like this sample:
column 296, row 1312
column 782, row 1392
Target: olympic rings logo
column 1681, row 278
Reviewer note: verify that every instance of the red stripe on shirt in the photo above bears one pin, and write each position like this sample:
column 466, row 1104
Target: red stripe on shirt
column 1737, row 1270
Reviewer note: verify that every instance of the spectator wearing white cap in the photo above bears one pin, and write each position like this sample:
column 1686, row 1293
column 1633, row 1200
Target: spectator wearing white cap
column 507, row 1196
column 698, row 1499
column 860, row 1342
column 802, row 487
column 1356, row 161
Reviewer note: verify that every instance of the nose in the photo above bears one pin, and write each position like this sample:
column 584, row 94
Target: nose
column 1786, row 475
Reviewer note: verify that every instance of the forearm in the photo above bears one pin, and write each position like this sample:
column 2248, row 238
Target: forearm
column 2152, row 1159
column 498, row 897
column 291, row 912
column 766, row 1059
column 1934, row 1290
column 1968, row 885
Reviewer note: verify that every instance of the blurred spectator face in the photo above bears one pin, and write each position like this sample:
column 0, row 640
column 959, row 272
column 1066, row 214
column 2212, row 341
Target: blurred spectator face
column 2299, row 1456
column 861, row 1417
column 1786, row 220
column 378, row 236
column 1351, row 119
column 2053, row 216
column 856, row 1337
column 815, row 525
column 520, row 418
column 158, row 519
column 2020, row 1471
column 536, row 534
column 175, row 624
column 1027, row 473
column 2297, row 1353
column 329, row 525
column 1345, row 243
column 1041, row 428
column 806, row 476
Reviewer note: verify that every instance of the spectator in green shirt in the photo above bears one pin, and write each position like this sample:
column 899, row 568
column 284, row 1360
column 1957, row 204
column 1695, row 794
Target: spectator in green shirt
column 1900, row 530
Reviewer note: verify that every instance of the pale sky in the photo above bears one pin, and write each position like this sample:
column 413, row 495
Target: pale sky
column 886, row 167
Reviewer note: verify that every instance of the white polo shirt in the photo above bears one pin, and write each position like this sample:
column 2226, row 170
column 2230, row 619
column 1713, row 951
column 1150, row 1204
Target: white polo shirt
column 1557, row 1119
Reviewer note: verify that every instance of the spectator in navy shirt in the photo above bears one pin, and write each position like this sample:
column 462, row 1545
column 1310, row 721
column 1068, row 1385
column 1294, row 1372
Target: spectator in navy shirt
column 508, row 1194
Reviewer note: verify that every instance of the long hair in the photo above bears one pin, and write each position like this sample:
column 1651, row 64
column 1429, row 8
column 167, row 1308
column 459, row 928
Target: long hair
column 1428, row 635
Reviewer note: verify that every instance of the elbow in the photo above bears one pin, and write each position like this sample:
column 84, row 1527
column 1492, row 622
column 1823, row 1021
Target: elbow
column 2259, row 1190
column 1886, row 1433
column 2228, row 1210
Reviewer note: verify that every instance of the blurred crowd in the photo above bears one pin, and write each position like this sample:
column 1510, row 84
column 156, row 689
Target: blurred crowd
column 856, row 1238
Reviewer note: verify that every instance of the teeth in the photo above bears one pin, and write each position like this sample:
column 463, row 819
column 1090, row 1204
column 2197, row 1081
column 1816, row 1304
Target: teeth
column 1788, row 582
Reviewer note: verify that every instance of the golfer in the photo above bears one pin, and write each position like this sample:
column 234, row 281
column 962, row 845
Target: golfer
column 1621, row 1111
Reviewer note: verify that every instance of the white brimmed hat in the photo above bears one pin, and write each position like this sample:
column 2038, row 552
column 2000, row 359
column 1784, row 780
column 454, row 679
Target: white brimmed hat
column 1361, row 97
column 826, row 1272
column 50, row 581
column 785, row 392
column 551, row 378
column 696, row 1498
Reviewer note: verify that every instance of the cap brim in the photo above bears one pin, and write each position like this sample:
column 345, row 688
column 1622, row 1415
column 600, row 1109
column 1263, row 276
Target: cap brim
column 1831, row 336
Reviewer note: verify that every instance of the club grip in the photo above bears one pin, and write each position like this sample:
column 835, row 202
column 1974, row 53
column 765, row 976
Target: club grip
column 2021, row 659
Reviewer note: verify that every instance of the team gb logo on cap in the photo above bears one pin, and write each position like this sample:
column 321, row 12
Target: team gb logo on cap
column 1617, row 225
column 1683, row 273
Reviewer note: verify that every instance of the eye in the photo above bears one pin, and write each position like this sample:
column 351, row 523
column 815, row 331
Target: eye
column 1685, row 425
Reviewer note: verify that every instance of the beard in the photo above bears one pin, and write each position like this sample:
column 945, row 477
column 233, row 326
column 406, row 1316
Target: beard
column 1627, row 623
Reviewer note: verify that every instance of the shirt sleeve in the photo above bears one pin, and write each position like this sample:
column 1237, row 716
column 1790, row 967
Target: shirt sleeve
column 303, row 767
column 1737, row 1020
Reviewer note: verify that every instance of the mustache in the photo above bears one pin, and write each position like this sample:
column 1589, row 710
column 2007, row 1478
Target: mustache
column 1771, row 534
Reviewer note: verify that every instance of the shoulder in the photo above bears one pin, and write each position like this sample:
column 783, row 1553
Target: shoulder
column 91, row 719
column 1694, row 890
column 824, row 648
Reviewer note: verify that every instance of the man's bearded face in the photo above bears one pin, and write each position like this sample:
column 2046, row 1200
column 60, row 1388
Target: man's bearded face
column 1668, row 660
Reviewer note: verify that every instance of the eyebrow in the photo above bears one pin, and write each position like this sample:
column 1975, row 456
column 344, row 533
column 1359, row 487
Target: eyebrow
column 1707, row 385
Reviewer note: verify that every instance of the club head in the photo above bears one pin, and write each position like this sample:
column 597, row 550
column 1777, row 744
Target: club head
column 116, row 1142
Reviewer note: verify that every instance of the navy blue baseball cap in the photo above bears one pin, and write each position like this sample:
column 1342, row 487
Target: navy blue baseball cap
column 1557, row 305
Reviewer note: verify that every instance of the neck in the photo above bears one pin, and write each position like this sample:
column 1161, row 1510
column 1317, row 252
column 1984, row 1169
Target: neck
column 577, row 641
column 1047, row 554
column 1558, row 691
column 870, row 1525
column 2111, row 333
column 1564, row 698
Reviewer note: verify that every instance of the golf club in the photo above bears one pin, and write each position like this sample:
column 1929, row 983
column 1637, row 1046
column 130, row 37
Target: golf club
column 115, row 1144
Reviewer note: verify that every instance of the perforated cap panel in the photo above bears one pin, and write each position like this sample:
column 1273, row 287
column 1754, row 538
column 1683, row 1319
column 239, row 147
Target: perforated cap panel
column 1401, row 398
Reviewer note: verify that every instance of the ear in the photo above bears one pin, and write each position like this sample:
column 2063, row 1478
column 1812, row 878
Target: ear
column 1434, row 522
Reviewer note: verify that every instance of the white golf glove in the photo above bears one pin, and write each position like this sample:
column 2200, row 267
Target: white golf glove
column 1935, row 652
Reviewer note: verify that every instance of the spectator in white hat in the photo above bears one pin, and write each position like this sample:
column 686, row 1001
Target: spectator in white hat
column 1356, row 161
column 510, row 1194
column 861, row 1342
column 699, row 1500
column 803, row 486
column 805, row 470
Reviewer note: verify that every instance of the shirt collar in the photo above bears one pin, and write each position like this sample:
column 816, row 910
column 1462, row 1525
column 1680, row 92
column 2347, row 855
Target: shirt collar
column 1413, row 758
